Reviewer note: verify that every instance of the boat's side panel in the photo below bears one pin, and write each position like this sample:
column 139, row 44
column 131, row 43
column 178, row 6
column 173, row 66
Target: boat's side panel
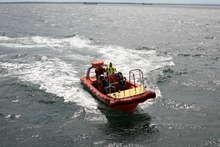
column 126, row 108
column 88, row 85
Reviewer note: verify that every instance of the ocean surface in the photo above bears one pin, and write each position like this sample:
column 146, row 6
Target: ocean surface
column 46, row 48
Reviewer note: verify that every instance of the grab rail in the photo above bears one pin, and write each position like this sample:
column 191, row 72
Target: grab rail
column 132, row 75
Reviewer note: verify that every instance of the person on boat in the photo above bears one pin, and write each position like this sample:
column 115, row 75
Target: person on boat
column 110, row 69
column 105, row 85
column 99, row 71
column 122, row 81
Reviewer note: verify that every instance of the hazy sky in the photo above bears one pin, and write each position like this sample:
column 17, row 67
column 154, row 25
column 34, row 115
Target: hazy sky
column 150, row 1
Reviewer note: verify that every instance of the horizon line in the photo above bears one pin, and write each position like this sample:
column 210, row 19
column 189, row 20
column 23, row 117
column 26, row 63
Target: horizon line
column 96, row 3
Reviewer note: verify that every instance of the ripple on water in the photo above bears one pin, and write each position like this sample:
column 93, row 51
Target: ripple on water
column 13, row 116
column 180, row 106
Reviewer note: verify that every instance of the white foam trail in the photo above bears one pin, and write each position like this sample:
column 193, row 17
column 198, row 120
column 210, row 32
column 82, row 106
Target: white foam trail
column 54, row 76
column 39, row 41
column 75, row 41
column 16, row 45
column 127, row 59
column 4, row 38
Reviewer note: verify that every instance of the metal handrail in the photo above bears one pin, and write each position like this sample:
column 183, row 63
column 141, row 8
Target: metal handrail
column 131, row 74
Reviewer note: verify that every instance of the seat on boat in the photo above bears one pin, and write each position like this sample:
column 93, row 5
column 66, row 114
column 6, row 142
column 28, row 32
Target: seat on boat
column 128, row 93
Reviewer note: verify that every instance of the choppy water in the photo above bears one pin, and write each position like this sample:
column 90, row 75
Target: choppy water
column 45, row 48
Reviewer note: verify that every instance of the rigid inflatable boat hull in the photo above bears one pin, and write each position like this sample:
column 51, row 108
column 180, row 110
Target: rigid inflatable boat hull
column 127, row 104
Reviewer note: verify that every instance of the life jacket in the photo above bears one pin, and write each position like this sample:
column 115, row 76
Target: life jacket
column 110, row 70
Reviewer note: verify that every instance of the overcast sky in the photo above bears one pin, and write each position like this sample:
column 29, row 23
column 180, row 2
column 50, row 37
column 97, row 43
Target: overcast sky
column 147, row 1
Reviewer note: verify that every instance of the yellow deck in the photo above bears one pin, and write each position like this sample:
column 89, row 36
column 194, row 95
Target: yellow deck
column 128, row 93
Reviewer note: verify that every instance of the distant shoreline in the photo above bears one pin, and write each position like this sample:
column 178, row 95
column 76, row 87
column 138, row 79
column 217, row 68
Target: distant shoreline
column 111, row 3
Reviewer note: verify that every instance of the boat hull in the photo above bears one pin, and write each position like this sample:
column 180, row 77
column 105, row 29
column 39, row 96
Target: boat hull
column 128, row 104
column 126, row 108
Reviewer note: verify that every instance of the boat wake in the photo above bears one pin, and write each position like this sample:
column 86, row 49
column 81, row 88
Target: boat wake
column 58, row 66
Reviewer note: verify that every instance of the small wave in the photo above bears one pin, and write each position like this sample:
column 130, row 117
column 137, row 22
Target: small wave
column 173, row 104
column 13, row 116
column 166, row 74
column 15, row 101
column 69, row 36
column 184, row 55
column 209, row 85
column 145, row 48
column 47, row 101
column 192, row 55
column 199, row 55
column 181, row 126
column 4, row 38
column 17, row 45
column 168, row 70
column 210, row 37
column 211, row 141
column 94, row 115
column 181, row 72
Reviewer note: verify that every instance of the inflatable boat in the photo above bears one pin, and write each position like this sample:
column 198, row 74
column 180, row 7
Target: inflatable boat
column 114, row 89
